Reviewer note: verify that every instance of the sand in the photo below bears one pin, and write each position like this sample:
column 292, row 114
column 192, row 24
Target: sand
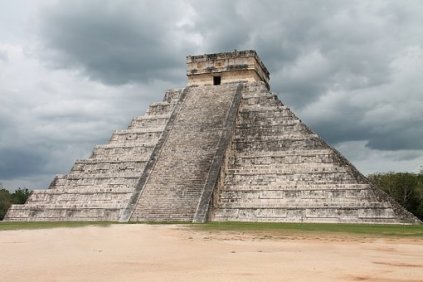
column 176, row 253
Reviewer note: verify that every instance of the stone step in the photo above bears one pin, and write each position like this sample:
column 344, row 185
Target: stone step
column 265, row 121
column 330, row 215
column 255, row 146
column 64, row 182
column 143, row 130
column 129, row 160
column 161, row 118
column 283, row 179
column 121, row 154
column 258, row 127
column 69, row 202
column 81, row 199
column 276, row 169
column 147, row 122
column 265, row 100
column 324, row 152
column 105, row 175
column 314, row 162
column 286, row 137
column 141, row 137
column 43, row 213
column 109, row 168
column 302, row 196
column 264, row 112
column 288, row 127
column 127, row 144
column 296, row 186
column 301, row 204
column 159, row 108
column 172, row 95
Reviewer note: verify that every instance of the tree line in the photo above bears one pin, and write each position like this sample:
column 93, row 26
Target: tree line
column 405, row 188
column 19, row 196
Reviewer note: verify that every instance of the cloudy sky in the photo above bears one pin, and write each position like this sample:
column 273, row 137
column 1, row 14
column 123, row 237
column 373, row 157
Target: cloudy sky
column 73, row 71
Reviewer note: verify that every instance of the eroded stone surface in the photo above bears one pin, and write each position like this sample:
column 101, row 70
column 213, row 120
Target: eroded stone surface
column 100, row 187
column 229, row 67
column 174, row 164
column 278, row 170
column 176, row 183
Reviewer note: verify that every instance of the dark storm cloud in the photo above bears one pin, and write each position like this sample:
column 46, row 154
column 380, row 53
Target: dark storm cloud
column 393, row 137
column 114, row 42
column 312, row 48
column 20, row 162
column 350, row 69
column 358, row 49
column 222, row 25
column 308, row 46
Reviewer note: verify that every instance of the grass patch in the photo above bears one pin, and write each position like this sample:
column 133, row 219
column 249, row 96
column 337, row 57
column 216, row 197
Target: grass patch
column 50, row 224
column 376, row 230
column 363, row 229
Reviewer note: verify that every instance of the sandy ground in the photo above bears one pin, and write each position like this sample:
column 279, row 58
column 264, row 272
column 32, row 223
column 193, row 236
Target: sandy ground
column 175, row 253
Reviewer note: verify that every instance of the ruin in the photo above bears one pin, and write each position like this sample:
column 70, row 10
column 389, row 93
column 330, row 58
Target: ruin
column 224, row 148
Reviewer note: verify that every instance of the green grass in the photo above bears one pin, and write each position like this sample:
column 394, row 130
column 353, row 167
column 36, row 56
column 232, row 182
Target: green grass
column 48, row 224
column 378, row 230
column 309, row 228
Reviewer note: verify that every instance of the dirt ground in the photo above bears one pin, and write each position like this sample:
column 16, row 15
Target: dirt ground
column 176, row 253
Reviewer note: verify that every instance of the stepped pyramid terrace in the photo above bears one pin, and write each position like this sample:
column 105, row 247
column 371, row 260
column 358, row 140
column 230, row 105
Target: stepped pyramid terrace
column 224, row 148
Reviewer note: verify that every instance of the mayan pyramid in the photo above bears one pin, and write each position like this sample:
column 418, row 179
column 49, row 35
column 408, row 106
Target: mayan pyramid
column 224, row 148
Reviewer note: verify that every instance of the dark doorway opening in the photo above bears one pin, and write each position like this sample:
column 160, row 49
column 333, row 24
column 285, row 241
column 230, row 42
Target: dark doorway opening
column 216, row 80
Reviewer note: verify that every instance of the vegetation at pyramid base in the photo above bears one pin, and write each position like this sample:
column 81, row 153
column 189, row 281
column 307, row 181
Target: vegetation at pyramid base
column 405, row 188
column 7, row 199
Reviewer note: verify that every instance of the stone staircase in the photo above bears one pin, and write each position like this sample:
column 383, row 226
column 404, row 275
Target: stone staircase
column 178, row 180
column 278, row 170
column 100, row 187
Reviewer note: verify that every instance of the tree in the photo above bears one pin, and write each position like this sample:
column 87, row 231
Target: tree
column 7, row 199
column 20, row 195
column 5, row 202
column 405, row 188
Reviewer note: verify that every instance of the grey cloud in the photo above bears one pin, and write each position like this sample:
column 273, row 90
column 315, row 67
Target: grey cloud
column 398, row 138
column 222, row 25
column 311, row 49
column 372, row 161
column 17, row 163
column 349, row 69
column 3, row 56
column 344, row 128
column 114, row 43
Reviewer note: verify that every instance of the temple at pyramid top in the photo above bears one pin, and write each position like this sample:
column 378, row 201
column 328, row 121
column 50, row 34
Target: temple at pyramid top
column 220, row 68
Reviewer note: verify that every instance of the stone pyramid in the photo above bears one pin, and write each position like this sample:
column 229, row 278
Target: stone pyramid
column 224, row 148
